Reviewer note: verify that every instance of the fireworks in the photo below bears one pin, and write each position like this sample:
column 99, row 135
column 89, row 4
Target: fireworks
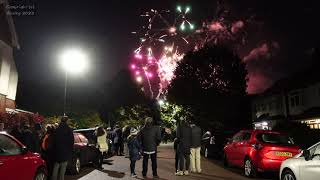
column 163, row 44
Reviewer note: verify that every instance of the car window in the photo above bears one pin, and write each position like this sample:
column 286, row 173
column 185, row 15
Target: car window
column 238, row 137
column 76, row 138
column 246, row 136
column 315, row 150
column 8, row 146
column 83, row 139
column 274, row 138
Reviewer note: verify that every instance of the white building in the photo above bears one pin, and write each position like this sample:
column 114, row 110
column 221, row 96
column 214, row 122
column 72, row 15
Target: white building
column 296, row 98
column 8, row 70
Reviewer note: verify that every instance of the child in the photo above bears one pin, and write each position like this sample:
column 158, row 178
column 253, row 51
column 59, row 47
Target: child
column 134, row 150
column 175, row 146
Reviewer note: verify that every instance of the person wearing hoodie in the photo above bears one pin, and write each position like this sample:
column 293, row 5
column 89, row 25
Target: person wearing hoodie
column 63, row 142
column 184, row 139
column 150, row 138
column 134, row 150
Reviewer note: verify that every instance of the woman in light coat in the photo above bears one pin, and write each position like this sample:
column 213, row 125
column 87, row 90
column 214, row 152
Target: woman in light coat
column 101, row 145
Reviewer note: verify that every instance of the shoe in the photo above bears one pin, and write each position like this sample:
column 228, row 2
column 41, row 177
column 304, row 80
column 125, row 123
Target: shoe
column 179, row 173
column 100, row 168
column 199, row 172
column 133, row 175
column 144, row 176
column 156, row 177
column 186, row 173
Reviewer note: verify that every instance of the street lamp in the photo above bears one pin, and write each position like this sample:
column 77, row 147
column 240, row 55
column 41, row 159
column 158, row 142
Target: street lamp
column 73, row 61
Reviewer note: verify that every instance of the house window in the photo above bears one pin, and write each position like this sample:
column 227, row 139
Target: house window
column 295, row 100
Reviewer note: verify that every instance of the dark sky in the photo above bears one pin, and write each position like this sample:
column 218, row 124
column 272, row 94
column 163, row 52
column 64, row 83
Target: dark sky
column 281, row 37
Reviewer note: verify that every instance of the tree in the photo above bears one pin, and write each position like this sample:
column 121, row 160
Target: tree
column 212, row 82
column 122, row 91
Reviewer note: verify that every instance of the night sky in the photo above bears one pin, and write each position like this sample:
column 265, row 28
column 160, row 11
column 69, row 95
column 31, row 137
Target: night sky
column 279, row 40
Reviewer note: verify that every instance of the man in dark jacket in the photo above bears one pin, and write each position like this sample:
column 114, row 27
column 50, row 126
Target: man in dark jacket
column 195, row 148
column 150, row 138
column 63, row 141
column 29, row 138
column 184, row 139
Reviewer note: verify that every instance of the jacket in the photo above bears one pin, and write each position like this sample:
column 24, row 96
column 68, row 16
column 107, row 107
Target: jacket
column 63, row 142
column 150, row 138
column 102, row 143
column 134, row 148
column 184, row 139
column 196, row 136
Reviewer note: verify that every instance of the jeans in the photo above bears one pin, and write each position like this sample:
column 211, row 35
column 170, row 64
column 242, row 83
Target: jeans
column 195, row 159
column 176, row 161
column 145, row 164
column 132, row 167
column 184, row 158
column 59, row 169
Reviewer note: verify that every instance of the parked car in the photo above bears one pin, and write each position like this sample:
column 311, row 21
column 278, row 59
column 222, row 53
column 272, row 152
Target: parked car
column 212, row 144
column 16, row 162
column 89, row 134
column 304, row 166
column 259, row 151
column 84, row 153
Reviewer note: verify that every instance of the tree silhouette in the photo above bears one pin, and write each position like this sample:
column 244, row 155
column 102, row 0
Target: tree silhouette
column 212, row 82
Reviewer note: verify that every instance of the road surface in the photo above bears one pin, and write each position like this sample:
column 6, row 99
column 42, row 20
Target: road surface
column 117, row 167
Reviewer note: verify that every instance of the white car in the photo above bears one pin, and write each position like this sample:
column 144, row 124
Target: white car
column 303, row 166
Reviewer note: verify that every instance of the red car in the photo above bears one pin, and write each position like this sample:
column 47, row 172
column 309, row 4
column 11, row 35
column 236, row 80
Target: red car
column 259, row 151
column 17, row 163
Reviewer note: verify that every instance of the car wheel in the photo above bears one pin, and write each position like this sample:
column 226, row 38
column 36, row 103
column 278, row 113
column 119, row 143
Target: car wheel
column 76, row 166
column 225, row 161
column 249, row 170
column 288, row 175
column 41, row 174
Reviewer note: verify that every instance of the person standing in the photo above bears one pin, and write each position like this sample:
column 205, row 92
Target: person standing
column 46, row 147
column 63, row 142
column 118, row 141
column 195, row 149
column 150, row 138
column 125, row 135
column 29, row 138
column 102, row 145
column 184, row 139
column 134, row 150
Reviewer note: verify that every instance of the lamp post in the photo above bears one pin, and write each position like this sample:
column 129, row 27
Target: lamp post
column 73, row 61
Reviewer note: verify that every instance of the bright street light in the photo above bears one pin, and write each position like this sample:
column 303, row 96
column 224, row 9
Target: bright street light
column 73, row 61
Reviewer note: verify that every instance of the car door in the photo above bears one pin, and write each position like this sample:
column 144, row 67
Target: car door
column 242, row 148
column 310, row 170
column 89, row 150
column 13, row 162
column 232, row 151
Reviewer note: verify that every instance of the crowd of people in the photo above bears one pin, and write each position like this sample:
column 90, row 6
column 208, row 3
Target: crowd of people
column 56, row 145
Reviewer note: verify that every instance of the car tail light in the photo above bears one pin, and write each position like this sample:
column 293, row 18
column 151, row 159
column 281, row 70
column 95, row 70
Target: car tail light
column 257, row 146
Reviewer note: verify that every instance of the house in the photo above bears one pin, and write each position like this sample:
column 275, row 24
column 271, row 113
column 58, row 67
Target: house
column 8, row 70
column 296, row 98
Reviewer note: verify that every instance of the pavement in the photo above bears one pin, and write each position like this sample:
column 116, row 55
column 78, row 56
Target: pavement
column 117, row 167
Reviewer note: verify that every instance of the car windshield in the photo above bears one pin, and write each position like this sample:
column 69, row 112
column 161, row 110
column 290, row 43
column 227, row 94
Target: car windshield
column 274, row 138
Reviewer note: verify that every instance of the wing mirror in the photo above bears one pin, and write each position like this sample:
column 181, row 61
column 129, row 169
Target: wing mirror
column 306, row 155
column 229, row 140
column 24, row 150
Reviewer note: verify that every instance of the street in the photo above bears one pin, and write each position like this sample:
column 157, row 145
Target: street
column 117, row 167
